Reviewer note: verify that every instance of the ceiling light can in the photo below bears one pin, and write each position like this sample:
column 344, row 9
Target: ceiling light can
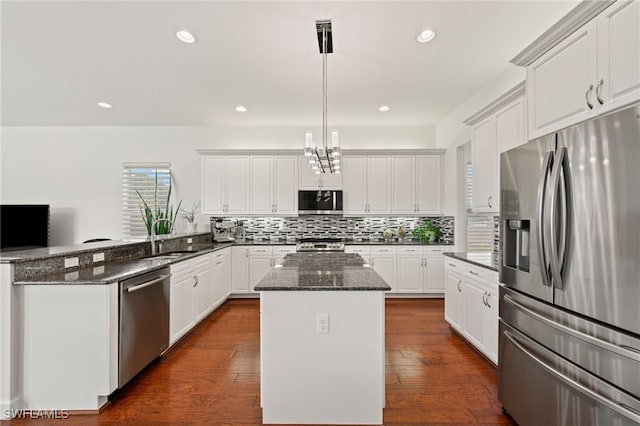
column 241, row 108
column 185, row 36
column 384, row 108
column 104, row 105
column 426, row 36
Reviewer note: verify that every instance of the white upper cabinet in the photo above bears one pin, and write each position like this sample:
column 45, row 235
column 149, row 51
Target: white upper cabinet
column 273, row 184
column 225, row 185
column 495, row 129
column 310, row 180
column 593, row 70
column 366, row 184
column 416, row 184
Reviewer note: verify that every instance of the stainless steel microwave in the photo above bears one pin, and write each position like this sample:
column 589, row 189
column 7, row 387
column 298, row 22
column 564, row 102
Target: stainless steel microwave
column 320, row 202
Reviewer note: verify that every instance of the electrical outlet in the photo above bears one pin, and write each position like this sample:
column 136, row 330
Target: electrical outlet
column 71, row 262
column 98, row 257
column 281, row 226
column 323, row 323
column 189, row 240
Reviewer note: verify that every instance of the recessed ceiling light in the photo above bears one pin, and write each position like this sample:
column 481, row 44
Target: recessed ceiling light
column 426, row 36
column 241, row 108
column 384, row 108
column 104, row 105
column 185, row 36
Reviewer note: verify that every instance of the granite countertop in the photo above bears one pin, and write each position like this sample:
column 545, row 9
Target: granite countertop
column 479, row 259
column 110, row 272
column 321, row 272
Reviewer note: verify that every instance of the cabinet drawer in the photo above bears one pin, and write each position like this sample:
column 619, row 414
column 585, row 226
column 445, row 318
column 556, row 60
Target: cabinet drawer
column 454, row 265
column 260, row 251
column 384, row 251
column 434, row 251
column 476, row 273
column 364, row 250
column 284, row 249
column 418, row 250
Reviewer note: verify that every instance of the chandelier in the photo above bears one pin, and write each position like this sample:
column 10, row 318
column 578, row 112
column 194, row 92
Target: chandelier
column 325, row 158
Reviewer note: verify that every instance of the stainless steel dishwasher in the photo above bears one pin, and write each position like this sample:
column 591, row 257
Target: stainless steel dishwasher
column 144, row 322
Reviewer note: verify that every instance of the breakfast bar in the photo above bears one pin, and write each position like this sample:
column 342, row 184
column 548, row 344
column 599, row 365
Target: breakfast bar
column 322, row 340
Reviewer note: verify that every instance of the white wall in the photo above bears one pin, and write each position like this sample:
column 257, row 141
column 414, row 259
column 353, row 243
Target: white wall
column 451, row 132
column 77, row 170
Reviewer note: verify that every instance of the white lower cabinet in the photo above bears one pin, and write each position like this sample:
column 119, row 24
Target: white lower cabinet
column 471, row 305
column 251, row 263
column 407, row 269
column 198, row 286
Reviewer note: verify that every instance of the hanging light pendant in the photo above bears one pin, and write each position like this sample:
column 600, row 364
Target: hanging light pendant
column 324, row 159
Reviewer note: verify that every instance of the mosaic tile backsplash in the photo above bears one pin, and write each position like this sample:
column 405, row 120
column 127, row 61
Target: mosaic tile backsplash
column 337, row 226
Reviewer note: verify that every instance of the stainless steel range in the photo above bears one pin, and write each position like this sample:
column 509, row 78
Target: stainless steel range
column 320, row 244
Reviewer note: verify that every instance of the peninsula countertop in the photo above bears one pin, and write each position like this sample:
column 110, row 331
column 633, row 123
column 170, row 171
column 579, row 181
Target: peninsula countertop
column 322, row 272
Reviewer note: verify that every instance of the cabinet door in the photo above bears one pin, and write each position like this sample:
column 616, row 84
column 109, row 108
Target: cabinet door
column 558, row 83
column 474, row 312
column 285, row 195
column 484, row 162
column 510, row 126
column 201, row 293
column 308, row 177
column 491, row 325
column 354, row 184
column 259, row 266
column 428, row 184
column 237, row 184
column 213, row 185
column 181, row 306
column 619, row 54
column 225, row 275
column 240, row 269
column 219, row 282
column 331, row 181
column 403, row 184
column 262, row 185
column 410, row 271
column 385, row 266
column 379, row 184
column 434, row 274
column 453, row 313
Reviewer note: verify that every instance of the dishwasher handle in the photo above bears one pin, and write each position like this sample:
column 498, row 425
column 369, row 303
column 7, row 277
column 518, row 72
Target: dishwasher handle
column 148, row 283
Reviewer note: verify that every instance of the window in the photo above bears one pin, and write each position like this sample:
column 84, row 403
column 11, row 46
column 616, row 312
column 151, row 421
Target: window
column 152, row 181
column 469, row 186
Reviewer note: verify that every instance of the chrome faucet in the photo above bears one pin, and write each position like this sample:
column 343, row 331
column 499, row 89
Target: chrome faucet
column 153, row 233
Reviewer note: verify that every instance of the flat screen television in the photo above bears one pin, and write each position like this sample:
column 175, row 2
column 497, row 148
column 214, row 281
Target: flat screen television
column 24, row 226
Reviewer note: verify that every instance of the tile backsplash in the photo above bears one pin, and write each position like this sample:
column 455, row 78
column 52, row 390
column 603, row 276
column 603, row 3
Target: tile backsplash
column 338, row 226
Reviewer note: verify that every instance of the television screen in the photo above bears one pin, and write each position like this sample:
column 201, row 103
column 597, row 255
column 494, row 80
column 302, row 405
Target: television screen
column 24, row 226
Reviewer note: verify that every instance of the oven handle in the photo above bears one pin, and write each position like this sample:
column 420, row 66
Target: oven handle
column 622, row 409
column 148, row 283
column 575, row 333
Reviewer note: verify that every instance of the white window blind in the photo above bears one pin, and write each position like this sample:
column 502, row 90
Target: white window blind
column 480, row 233
column 152, row 181
column 469, row 186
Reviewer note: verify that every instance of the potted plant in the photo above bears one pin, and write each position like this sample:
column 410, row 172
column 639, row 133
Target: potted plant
column 427, row 232
column 161, row 212
column 190, row 217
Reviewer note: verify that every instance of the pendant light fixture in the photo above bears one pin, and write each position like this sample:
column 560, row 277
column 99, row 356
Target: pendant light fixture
column 324, row 159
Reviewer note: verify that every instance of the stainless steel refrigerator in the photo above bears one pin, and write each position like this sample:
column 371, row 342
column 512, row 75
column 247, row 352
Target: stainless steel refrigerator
column 569, row 349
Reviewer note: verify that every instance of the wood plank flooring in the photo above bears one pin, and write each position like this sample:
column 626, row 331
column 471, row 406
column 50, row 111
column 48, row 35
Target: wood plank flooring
column 213, row 376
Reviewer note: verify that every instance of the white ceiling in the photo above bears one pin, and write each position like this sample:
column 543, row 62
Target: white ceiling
column 60, row 58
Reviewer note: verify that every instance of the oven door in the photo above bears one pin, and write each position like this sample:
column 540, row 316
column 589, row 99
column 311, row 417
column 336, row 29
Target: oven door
column 320, row 202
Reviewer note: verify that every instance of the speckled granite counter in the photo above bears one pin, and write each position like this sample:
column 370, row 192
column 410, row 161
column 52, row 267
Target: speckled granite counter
column 478, row 259
column 322, row 271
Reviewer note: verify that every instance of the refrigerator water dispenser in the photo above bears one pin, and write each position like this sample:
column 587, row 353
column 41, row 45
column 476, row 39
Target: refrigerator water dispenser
column 516, row 244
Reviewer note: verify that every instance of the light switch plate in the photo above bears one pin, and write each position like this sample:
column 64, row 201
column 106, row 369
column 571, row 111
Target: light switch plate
column 98, row 257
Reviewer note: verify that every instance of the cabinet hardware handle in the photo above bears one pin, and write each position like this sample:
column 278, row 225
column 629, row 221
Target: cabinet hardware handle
column 484, row 301
column 246, row 253
column 417, row 208
column 474, row 273
column 458, row 285
column 196, row 281
column 219, row 262
column 421, row 262
column 600, row 100
column 452, row 265
column 588, row 94
column 489, row 201
column 488, row 296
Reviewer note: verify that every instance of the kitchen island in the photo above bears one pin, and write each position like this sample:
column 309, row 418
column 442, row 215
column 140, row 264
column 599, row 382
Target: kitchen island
column 322, row 340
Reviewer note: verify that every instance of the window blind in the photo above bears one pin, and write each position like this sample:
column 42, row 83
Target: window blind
column 152, row 181
column 469, row 186
column 480, row 231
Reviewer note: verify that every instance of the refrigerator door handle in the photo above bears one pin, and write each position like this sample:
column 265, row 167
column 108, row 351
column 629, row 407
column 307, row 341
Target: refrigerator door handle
column 558, row 236
column 617, row 407
column 542, row 189
column 620, row 350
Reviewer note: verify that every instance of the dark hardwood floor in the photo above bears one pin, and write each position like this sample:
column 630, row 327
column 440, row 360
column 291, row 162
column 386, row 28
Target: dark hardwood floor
column 213, row 376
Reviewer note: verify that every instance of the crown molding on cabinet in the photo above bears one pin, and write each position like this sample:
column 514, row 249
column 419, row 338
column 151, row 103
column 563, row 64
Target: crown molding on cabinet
column 299, row 152
column 577, row 17
column 512, row 94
